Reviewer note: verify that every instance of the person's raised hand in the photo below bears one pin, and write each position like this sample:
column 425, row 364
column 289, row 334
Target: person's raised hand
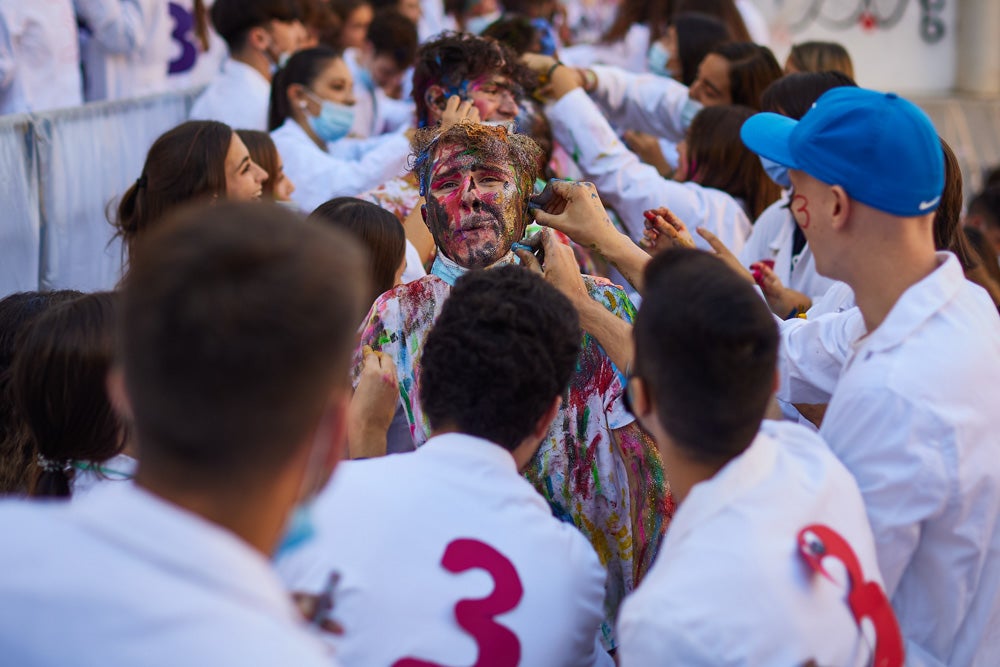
column 372, row 406
column 783, row 301
column 559, row 266
column 725, row 254
column 457, row 110
column 664, row 230
column 575, row 209
column 647, row 147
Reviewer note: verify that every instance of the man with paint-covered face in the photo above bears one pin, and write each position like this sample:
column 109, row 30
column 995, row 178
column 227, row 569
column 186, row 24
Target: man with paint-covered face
column 596, row 467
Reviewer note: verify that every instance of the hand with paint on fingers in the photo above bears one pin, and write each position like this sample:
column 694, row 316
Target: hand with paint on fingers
column 576, row 210
column 559, row 267
column 784, row 301
column 664, row 230
column 725, row 254
column 458, row 111
column 372, row 406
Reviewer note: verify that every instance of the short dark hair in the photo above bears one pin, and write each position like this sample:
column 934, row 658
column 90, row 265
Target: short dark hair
column 376, row 228
column 987, row 204
column 303, row 68
column 453, row 58
column 234, row 19
column 516, row 31
column 706, row 347
column 502, row 349
column 794, row 94
column 58, row 388
column 17, row 313
column 752, row 68
column 183, row 165
column 238, row 321
column 394, row 35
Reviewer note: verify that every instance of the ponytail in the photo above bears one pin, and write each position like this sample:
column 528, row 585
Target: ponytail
column 201, row 24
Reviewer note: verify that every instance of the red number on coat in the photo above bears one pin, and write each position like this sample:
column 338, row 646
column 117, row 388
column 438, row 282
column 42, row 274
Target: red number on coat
column 498, row 646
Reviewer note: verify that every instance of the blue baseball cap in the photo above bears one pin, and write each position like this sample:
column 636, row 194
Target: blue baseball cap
column 882, row 149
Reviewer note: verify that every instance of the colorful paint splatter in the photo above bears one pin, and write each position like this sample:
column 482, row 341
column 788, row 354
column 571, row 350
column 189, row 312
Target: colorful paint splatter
column 596, row 468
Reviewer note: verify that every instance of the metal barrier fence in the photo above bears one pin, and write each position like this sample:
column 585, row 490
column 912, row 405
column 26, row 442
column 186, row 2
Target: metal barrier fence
column 59, row 171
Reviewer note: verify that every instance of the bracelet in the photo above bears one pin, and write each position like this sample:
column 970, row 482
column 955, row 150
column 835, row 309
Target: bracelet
column 589, row 80
column 548, row 75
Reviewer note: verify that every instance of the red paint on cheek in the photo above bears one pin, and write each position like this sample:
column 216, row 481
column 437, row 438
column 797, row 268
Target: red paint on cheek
column 800, row 205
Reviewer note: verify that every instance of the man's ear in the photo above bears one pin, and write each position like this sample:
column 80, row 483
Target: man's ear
column 259, row 39
column 841, row 208
column 436, row 100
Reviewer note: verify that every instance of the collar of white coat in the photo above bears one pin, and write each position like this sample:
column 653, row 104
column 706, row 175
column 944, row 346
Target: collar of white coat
column 241, row 70
column 724, row 489
column 469, row 448
column 450, row 271
column 182, row 544
column 917, row 305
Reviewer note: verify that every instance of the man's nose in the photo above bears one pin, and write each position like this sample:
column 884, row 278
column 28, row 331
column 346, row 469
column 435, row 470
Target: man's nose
column 470, row 196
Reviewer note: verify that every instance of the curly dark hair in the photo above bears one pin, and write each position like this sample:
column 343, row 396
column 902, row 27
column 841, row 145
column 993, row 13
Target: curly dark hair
column 454, row 58
column 502, row 349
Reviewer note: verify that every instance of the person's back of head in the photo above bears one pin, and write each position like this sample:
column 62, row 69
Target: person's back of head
column 234, row 19
column 235, row 339
column 499, row 355
column 724, row 10
column 697, row 35
column 377, row 230
column 516, row 31
column 986, row 254
column 58, row 390
column 185, row 164
column 17, row 313
column 752, row 68
column 819, row 57
column 718, row 159
column 794, row 94
column 393, row 38
column 706, row 357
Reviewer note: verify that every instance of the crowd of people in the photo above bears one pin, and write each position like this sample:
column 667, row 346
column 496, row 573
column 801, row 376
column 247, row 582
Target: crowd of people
column 502, row 333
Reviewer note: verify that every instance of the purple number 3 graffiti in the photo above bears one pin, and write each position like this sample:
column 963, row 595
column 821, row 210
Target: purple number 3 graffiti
column 183, row 25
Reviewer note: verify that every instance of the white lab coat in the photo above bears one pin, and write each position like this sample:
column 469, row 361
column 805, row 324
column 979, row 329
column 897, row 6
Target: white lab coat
column 376, row 113
column 239, row 97
column 189, row 65
column 90, row 476
column 349, row 168
column 756, row 23
column 771, row 238
column 630, row 187
column 39, row 56
column 729, row 586
column 395, row 599
column 914, row 418
column 127, row 52
column 628, row 53
column 644, row 102
column 122, row 578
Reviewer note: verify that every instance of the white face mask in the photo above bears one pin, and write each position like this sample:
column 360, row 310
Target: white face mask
column 477, row 24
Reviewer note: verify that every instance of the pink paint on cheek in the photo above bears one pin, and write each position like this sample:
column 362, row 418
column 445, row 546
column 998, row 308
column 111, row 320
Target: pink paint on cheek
column 800, row 205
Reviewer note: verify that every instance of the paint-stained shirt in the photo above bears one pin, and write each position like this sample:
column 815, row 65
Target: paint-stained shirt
column 596, row 468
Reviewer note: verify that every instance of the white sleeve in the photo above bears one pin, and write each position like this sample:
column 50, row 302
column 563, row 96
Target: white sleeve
column 883, row 440
column 644, row 102
column 118, row 25
column 630, row 186
column 8, row 65
column 652, row 641
column 331, row 176
column 813, row 353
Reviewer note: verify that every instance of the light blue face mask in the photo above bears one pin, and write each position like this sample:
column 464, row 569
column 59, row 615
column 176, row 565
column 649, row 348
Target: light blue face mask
column 689, row 111
column 777, row 172
column 300, row 530
column 477, row 24
column 657, row 59
column 333, row 122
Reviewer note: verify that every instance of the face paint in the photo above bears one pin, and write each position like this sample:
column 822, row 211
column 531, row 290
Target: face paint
column 474, row 210
column 800, row 205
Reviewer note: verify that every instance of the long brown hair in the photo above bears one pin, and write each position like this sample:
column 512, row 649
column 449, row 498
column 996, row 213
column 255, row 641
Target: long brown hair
column 58, row 389
column 718, row 159
column 265, row 154
column 201, row 24
column 752, row 68
column 820, row 57
column 184, row 164
column 654, row 13
column 724, row 10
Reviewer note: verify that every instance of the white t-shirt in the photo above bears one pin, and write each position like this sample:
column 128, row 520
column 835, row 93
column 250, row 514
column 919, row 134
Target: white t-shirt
column 730, row 587
column 419, row 538
column 122, row 578
column 239, row 97
column 39, row 56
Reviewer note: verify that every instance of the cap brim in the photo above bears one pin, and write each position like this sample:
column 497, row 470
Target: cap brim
column 769, row 135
